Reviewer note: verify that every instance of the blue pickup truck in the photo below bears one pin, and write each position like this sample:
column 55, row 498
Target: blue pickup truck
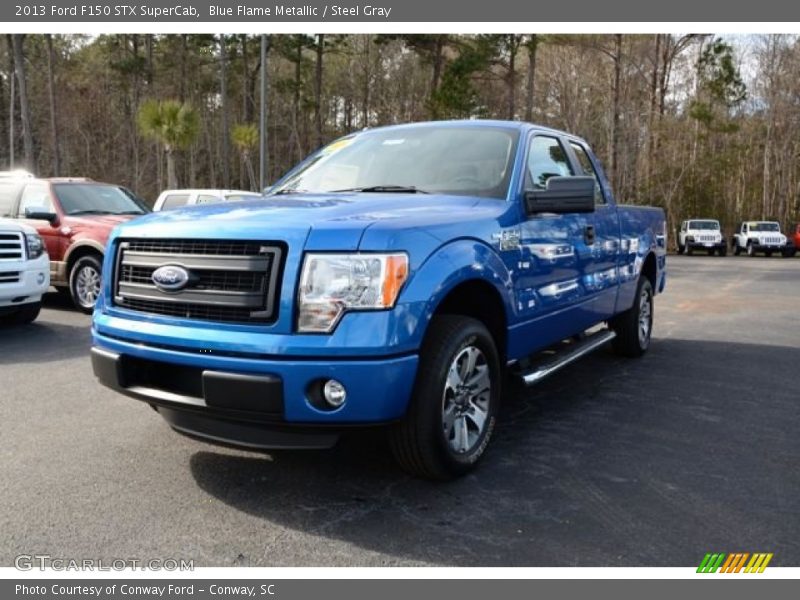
column 398, row 277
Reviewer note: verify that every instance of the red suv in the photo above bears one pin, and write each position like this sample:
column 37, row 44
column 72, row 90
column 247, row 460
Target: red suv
column 794, row 238
column 74, row 218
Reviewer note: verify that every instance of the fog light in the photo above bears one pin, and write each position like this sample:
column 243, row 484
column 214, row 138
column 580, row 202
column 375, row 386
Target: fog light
column 40, row 278
column 334, row 393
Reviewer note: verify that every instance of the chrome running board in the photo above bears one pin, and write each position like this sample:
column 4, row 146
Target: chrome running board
column 570, row 354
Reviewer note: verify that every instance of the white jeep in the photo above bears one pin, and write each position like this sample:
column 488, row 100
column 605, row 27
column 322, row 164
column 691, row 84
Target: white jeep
column 24, row 273
column 701, row 234
column 753, row 237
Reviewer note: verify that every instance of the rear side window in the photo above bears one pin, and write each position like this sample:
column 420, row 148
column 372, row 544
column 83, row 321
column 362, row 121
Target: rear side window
column 175, row 201
column 588, row 169
column 207, row 199
column 238, row 197
column 546, row 159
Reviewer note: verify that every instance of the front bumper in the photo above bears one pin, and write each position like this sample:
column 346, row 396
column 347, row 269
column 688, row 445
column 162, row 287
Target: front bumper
column 34, row 279
column 700, row 245
column 264, row 402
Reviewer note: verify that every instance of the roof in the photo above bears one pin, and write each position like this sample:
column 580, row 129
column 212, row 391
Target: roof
column 507, row 124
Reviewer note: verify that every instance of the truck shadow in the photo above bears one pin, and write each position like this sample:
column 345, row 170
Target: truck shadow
column 610, row 462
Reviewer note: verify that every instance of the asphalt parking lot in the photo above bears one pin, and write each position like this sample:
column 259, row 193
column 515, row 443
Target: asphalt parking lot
column 692, row 449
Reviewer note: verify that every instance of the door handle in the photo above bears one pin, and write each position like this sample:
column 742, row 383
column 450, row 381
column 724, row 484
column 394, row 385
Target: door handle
column 589, row 235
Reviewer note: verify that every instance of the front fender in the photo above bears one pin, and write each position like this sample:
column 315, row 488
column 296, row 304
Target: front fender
column 79, row 243
column 450, row 265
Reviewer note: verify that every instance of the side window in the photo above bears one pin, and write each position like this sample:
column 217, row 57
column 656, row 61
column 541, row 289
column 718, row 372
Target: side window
column 9, row 192
column 588, row 169
column 207, row 199
column 36, row 195
column 546, row 159
column 174, row 201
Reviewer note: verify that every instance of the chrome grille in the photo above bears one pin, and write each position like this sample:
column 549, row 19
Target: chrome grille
column 229, row 281
column 9, row 277
column 770, row 240
column 708, row 238
column 11, row 246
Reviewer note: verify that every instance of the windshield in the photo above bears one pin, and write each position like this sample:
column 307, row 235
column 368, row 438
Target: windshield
column 764, row 227
column 463, row 161
column 709, row 225
column 98, row 199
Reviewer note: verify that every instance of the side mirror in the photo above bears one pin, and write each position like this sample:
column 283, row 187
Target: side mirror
column 562, row 195
column 39, row 213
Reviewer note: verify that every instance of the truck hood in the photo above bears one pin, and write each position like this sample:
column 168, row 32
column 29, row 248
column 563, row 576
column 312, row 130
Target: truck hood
column 326, row 221
column 96, row 221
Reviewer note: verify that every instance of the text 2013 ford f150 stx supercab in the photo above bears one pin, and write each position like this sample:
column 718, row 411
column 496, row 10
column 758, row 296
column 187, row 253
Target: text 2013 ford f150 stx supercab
column 392, row 278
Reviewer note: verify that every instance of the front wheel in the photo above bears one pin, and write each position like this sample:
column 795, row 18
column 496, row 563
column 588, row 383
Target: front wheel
column 84, row 283
column 751, row 251
column 635, row 326
column 25, row 314
column 454, row 404
column 736, row 250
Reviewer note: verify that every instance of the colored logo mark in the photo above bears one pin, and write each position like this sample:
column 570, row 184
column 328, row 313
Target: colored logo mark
column 735, row 563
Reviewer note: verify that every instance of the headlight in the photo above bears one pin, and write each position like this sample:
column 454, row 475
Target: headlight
column 35, row 245
column 332, row 284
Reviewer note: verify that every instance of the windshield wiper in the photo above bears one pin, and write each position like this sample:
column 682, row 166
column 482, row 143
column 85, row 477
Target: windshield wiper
column 90, row 212
column 396, row 189
column 128, row 212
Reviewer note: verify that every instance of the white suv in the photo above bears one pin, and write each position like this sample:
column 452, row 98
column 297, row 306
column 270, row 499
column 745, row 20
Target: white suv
column 24, row 272
column 701, row 234
column 177, row 198
column 753, row 237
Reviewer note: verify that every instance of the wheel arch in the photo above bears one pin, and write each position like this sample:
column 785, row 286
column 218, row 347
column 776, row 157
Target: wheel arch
column 81, row 249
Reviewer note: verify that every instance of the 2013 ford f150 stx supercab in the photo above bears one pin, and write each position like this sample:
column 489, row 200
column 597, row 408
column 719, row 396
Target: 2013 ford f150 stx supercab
column 395, row 277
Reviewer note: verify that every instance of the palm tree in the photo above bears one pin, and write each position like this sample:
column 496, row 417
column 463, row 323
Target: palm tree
column 245, row 138
column 172, row 123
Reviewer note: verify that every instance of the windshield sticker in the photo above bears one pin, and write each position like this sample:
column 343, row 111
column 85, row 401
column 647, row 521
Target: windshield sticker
column 336, row 146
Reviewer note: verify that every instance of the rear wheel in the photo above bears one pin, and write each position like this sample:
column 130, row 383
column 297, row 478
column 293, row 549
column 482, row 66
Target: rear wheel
column 84, row 282
column 634, row 327
column 453, row 408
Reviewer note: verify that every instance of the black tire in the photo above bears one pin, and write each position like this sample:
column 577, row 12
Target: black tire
column 420, row 442
column 736, row 249
column 25, row 314
column 788, row 253
column 81, row 276
column 689, row 250
column 723, row 251
column 629, row 342
column 680, row 249
column 751, row 251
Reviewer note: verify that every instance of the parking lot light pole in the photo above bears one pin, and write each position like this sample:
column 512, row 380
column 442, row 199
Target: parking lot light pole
column 262, row 132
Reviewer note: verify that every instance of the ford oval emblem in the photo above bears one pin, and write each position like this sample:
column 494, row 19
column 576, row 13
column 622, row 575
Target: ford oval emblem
column 170, row 278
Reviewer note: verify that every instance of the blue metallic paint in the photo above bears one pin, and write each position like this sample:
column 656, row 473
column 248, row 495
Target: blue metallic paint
column 449, row 240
